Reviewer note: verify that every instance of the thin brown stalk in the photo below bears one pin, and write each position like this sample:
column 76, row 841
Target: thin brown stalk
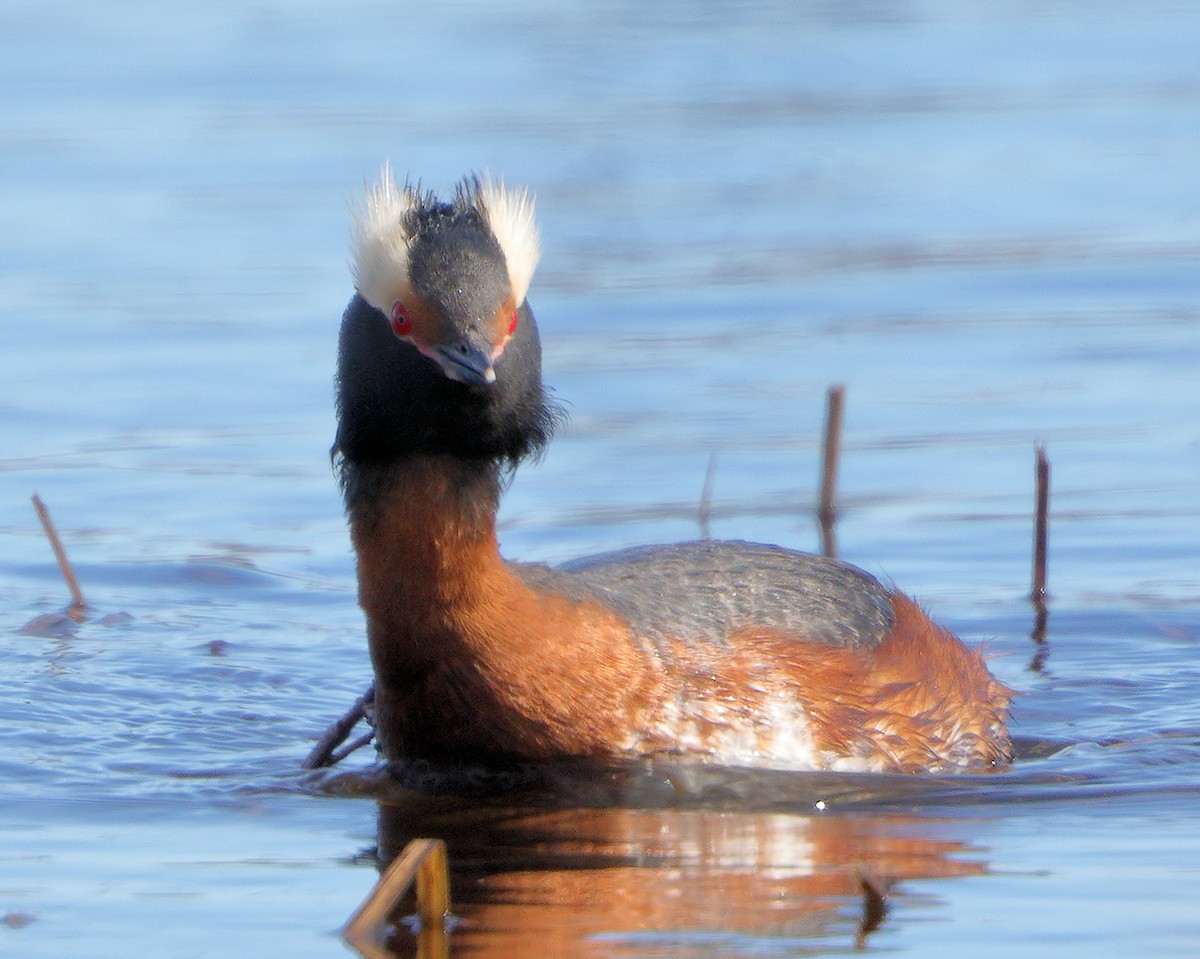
column 77, row 602
column 1037, row 593
column 874, row 901
column 705, row 511
column 424, row 862
column 325, row 752
column 1041, row 525
column 353, row 746
column 832, row 449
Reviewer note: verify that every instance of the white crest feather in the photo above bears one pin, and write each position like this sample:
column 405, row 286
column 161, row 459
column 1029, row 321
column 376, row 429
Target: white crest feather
column 509, row 215
column 381, row 240
column 382, row 235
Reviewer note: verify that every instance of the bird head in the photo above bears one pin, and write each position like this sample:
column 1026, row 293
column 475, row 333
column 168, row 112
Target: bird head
column 449, row 277
column 439, row 352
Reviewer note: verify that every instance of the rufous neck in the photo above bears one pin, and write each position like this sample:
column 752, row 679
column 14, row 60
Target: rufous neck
column 425, row 531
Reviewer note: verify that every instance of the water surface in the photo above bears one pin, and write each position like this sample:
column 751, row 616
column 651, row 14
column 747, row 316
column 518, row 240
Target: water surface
column 981, row 218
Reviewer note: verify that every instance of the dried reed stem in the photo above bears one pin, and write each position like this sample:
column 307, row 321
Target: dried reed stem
column 705, row 511
column 423, row 861
column 1037, row 593
column 325, row 753
column 832, row 450
column 875, row 905
column 77, row 603
column 1041, row 526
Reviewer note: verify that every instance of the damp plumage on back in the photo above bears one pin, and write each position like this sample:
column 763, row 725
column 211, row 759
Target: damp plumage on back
column 713, row 652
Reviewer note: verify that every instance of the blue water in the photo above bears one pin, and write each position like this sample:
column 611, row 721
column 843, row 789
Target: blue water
column 982, row 218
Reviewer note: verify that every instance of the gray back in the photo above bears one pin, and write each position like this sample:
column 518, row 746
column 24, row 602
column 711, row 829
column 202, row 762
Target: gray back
column 701, row 591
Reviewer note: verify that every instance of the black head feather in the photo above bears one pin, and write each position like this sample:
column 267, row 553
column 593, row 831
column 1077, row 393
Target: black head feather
column 393, row 403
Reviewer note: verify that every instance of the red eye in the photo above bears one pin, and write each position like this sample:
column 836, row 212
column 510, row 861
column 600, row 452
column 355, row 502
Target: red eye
column 401, row 324
column 512, row 323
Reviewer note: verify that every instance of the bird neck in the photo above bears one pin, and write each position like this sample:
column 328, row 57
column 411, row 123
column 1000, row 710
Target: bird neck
column 430, row 573
column 424, row 529
column 468, row 659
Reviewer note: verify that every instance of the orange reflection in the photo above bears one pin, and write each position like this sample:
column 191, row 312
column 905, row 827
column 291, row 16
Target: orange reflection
column 612, row 882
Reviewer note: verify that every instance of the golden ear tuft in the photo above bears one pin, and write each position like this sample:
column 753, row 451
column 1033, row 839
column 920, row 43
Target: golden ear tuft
column 381, row 236
column 509, row 215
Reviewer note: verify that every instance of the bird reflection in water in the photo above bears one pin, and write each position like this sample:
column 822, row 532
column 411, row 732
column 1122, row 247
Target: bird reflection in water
column 614, row 882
